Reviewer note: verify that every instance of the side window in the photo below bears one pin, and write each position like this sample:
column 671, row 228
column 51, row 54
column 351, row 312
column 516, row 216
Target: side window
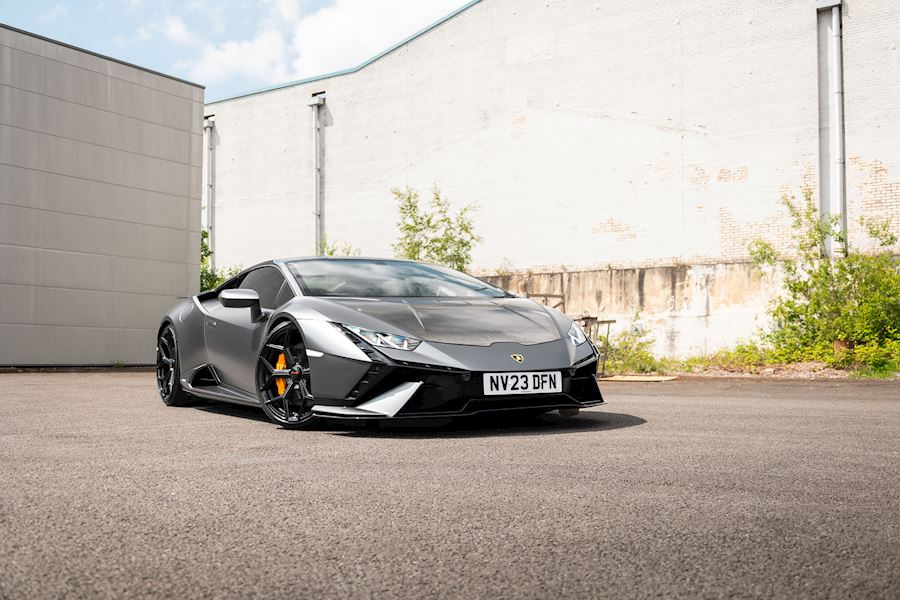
column 266, row 281
column 284, row 295
column 232, row 283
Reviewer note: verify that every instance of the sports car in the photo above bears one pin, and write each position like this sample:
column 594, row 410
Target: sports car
column 362, row 338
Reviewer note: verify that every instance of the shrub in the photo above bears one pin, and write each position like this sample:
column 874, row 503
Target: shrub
column 630, row 352
column 337, row 248
column 211, row 278
column 431, row 233
column 878, row 360
column 744, row 356
column 853, row 297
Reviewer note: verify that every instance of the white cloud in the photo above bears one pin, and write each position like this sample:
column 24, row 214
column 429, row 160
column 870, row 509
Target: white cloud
column 259, row 60
column 288, row 11
column 56, row 12
column 290, row 45
column 171, row 27
column 175, row 30
column 348, row 32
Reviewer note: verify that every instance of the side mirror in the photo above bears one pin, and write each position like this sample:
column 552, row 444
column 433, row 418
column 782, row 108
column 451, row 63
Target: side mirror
column 242, row 298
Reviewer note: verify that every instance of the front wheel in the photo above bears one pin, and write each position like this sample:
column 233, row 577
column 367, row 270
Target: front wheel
column 167, row 370
column 283, row 379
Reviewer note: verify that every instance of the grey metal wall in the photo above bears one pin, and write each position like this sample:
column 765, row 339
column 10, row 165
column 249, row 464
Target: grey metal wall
column 99, row 203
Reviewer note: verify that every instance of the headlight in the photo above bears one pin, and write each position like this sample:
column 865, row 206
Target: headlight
column 384, row 340
column 576, row 335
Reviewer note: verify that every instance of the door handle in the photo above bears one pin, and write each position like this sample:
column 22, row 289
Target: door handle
column 210, row 323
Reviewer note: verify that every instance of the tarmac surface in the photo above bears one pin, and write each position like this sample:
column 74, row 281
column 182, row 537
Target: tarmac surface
column 687, row 488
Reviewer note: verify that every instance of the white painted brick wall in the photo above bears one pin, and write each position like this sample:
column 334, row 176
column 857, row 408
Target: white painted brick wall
column 872, row 112
column 623, row 133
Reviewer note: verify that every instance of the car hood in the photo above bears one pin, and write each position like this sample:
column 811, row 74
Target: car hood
column 469, row 321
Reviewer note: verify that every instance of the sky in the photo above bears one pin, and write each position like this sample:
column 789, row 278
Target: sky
column 230, row 46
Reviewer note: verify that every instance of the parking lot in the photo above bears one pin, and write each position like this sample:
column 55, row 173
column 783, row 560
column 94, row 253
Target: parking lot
column 694, row 487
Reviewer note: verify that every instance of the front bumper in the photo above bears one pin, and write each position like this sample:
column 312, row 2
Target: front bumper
column 400, row 389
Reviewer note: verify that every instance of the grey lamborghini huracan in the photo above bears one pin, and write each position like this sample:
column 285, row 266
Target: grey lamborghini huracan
column 361, row 338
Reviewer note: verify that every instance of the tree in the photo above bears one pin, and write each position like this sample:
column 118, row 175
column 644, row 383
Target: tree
column 433, row 233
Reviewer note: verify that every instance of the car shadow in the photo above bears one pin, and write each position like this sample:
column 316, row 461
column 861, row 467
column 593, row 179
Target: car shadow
column 472, row 426
column 484, row 426
column 234, row 410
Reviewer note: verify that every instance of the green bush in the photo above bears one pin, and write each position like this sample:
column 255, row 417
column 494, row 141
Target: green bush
column 211, row 278
column 878, row 360
column 337, row 249
column 432, row 234
column 745, row 357
column 630, row 352
column 742, row 357
column 853, row 297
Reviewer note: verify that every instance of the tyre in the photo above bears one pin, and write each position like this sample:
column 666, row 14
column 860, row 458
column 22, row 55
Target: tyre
column 167, row 370
column 283, row 379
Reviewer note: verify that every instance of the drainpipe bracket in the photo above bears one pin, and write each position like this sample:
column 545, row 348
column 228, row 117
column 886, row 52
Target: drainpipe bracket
column 826, row 4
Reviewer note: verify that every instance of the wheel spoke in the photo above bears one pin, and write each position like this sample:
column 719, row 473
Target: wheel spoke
column 267, row 364
column 287, row 408
column 288, row 355
column 276, row 374
column 304, row 391
column 164, row 346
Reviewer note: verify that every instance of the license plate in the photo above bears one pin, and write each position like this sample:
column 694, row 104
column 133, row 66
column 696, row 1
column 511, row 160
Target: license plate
column 522, row 382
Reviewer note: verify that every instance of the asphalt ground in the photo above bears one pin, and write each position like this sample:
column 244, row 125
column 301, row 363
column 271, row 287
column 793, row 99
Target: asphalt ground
column 689, row 488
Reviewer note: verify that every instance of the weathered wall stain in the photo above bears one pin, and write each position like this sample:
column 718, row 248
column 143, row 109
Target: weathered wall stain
column 687, row 309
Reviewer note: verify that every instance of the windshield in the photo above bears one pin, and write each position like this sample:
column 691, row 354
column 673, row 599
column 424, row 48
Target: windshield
column 385, row 279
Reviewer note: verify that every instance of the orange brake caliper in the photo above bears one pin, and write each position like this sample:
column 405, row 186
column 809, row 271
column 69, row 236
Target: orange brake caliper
column 279, row 381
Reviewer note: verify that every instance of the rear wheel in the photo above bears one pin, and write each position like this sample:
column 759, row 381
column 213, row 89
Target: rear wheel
column 167, row 370
column 283, row 379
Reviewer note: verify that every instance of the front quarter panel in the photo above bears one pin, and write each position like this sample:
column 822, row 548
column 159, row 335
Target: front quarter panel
column 188, row 322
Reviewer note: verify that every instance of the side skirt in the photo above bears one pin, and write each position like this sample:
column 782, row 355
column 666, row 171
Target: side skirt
column 220, row 392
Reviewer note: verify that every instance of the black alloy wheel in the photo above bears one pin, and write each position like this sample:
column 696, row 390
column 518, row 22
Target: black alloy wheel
column 283, row 379
column 167, row 371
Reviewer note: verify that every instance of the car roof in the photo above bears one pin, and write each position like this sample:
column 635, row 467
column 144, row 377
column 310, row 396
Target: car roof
column 305, row 258
column 285, row 261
